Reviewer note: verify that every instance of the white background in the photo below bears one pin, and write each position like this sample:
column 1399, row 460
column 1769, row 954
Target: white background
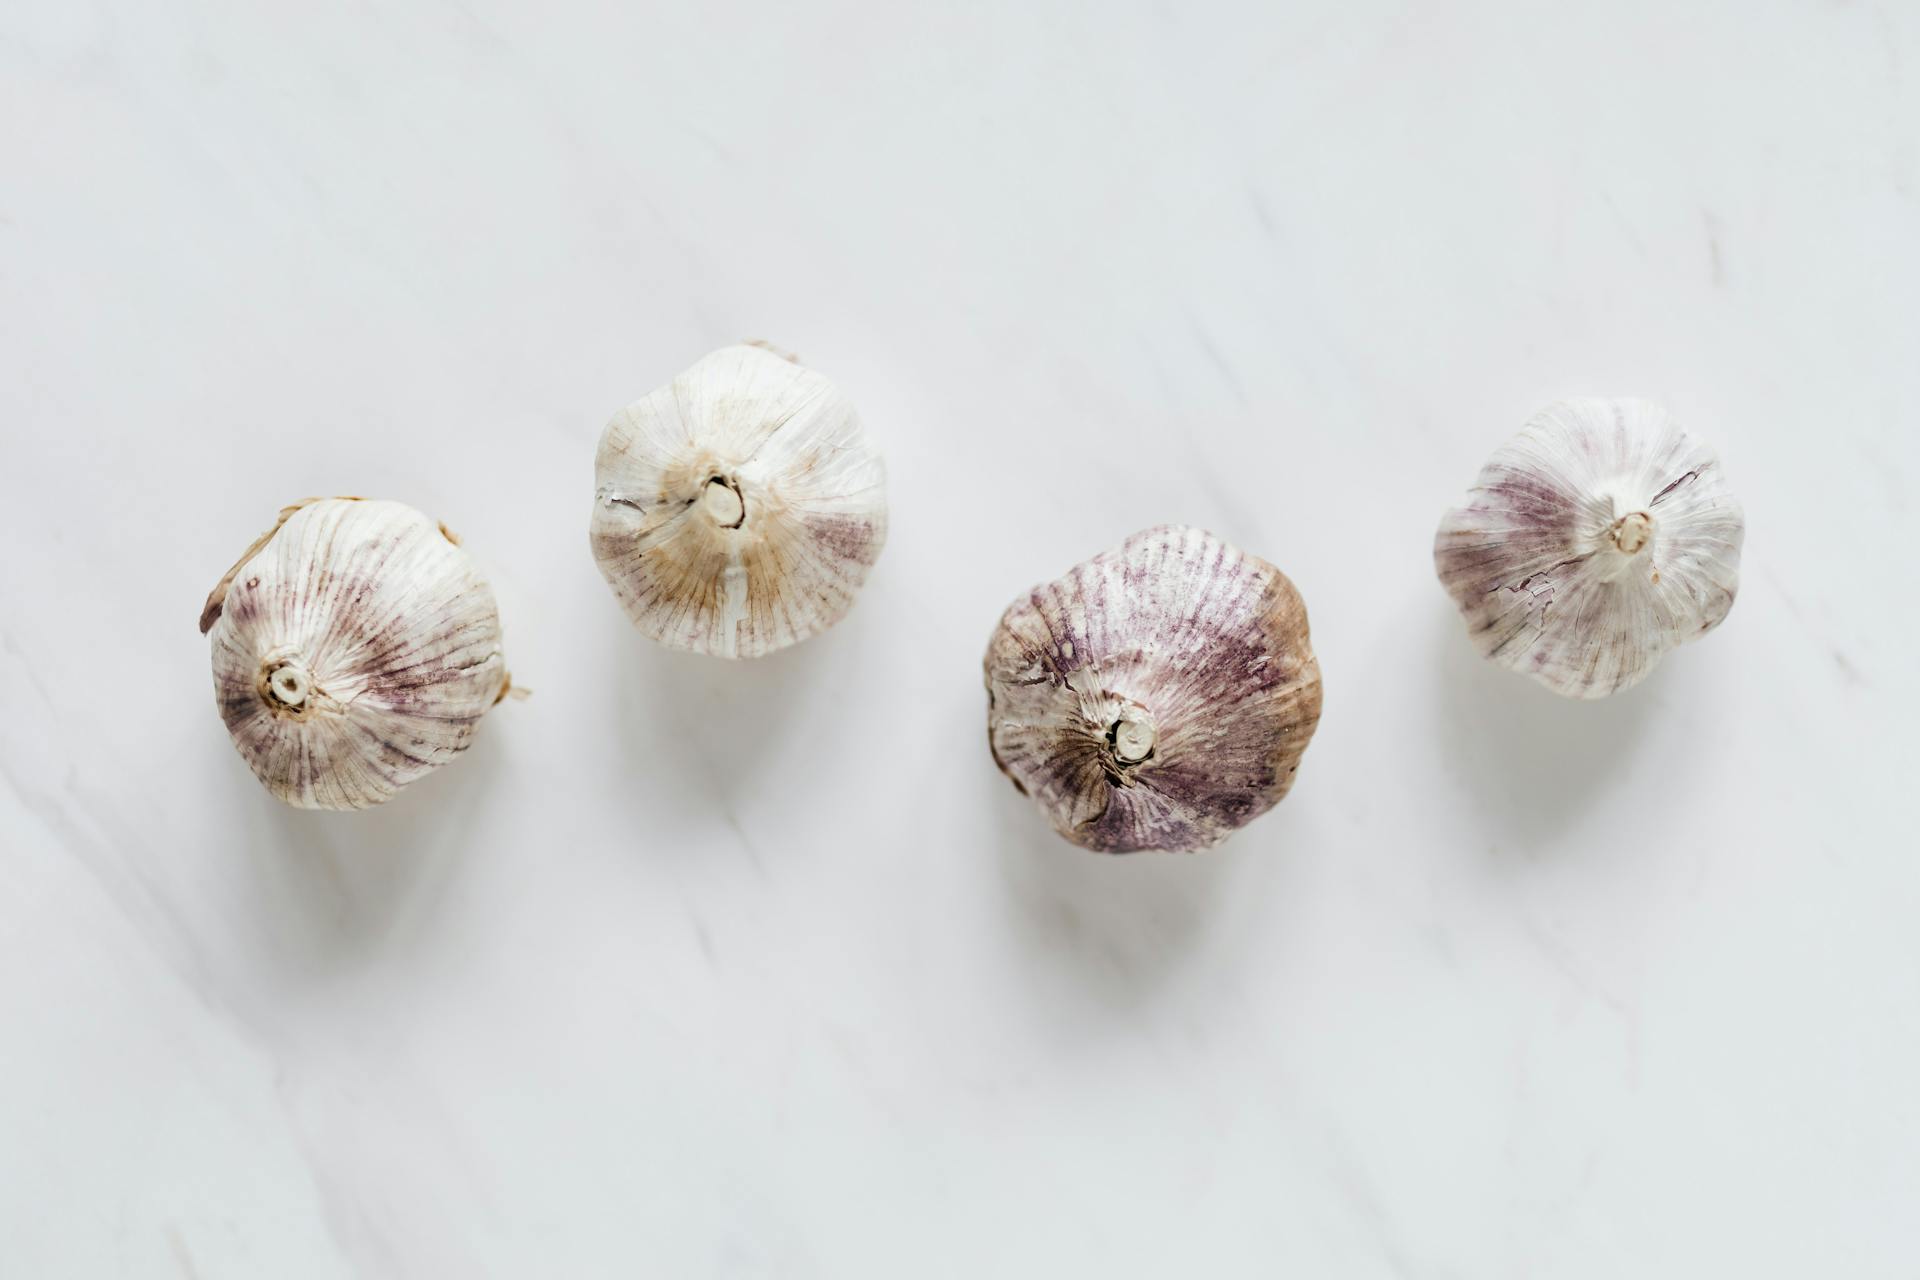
column 695, row 969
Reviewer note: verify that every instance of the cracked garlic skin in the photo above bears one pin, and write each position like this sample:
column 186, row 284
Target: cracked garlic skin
column 1594, row 541
column 1157, row 697
column 355, row 649
column 738, row 509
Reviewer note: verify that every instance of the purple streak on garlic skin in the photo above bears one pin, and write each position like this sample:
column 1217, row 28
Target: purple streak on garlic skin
column 1592, row 542
column 738, row 509
column 355, row 649
column 1157, row 697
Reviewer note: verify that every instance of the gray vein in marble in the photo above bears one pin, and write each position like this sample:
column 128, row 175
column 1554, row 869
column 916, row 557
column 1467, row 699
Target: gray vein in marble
column 1717, row 269
column 1218, row 360
column 1362, row 1197
column 1844, row 667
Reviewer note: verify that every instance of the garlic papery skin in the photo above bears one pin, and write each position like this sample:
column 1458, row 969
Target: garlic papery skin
column 1594, row 541
column 737, row 510
column 1157, row 697
column 355, row 648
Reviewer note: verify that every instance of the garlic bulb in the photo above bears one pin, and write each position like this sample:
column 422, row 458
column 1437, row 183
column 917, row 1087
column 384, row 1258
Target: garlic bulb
column 355, row 649
column 737, row 510
column 1158, row 696
column 1594, row 541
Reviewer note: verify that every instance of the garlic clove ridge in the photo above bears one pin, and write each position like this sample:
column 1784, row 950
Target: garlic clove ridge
column 1158, row 696
column 355, row 648
column 1594, row 541
column 738, row 510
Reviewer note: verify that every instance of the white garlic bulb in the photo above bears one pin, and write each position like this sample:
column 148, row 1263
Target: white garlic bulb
column 1158, row 696
column 355, row 649
column 737, row 510
column 1594, row 541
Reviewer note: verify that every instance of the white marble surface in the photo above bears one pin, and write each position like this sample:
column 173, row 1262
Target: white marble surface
column 702, row 970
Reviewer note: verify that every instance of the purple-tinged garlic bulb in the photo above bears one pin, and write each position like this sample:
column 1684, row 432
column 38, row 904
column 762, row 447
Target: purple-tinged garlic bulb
column 1594, row 541
column 355, row 648
column 1158, row 696
column 738, row 510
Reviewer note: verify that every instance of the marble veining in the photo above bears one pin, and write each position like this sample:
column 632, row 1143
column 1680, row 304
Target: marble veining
column 691, row 968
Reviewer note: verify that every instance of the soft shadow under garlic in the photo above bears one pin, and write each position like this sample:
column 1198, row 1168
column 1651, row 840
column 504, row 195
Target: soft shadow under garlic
column 1118, row 925
column 331, row 889
column 711, row 725
column 1535, row 761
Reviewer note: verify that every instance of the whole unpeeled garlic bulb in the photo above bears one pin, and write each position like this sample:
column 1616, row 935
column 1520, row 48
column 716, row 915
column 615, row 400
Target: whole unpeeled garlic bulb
column 1158, row 696
column 355, row 649
column 1594, row 541
column 737, row 510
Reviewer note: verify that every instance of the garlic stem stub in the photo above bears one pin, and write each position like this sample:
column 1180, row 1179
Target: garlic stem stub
column 355, row 649
column 1157, row 697
column 737, row 510
column 1594, row 541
